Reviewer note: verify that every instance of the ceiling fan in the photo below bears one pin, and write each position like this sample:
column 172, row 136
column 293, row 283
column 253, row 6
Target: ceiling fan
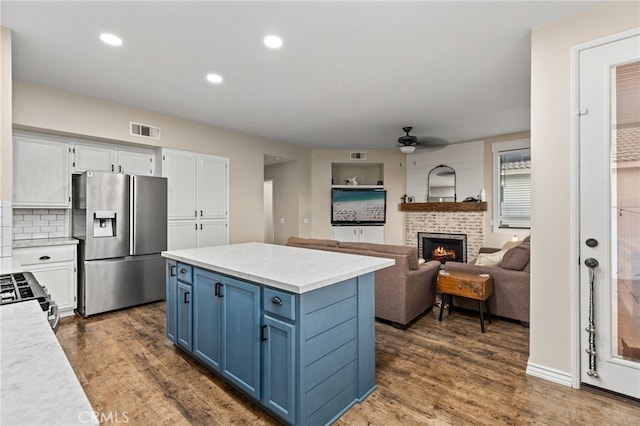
column 408, row 143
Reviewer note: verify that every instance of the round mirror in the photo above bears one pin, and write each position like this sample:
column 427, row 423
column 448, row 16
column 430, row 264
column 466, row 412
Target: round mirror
column 441, row 184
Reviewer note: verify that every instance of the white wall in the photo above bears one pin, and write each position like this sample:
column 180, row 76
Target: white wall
column 465, row 158
column 394, row 182
column 41, row 108
column 6, row 145
column 553, row 269
column 285, row 207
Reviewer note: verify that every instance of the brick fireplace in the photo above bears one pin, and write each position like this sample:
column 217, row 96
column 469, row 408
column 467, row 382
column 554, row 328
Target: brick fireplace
column 469, row 223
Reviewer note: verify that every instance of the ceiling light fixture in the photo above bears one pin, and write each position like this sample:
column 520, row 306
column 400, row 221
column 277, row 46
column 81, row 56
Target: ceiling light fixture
column 273, row 41
column 407, row 149
column 214, row 78
column 110, row 39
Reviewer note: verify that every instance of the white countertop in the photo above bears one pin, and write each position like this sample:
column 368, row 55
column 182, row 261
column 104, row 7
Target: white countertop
column 9, row 265
column 42, row 242
column 38, row 386
column 293, row 269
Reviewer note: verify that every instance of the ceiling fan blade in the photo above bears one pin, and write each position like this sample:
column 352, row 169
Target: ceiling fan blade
column 432, row 142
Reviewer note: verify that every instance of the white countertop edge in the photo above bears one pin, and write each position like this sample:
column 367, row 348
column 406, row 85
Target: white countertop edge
column 299, row 289
column 44, row 242
column 294, row 269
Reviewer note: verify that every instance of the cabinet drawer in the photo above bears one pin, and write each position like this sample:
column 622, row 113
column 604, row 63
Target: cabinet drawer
column 479, row 288
column 43, row 255
column 279, row 303
column 185, row 273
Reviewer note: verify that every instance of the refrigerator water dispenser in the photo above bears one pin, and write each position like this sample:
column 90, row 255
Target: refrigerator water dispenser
column 104, row 223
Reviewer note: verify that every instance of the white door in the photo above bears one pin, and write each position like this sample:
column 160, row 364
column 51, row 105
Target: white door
column 346, row 233
column 212, row 233
column 135, row 163
column 609, row 132
column 180, row 171
column 60, row 281
column 212, row 187
column 372, row 234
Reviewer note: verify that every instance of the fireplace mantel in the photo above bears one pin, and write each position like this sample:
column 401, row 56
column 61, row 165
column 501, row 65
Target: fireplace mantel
column 444, row 207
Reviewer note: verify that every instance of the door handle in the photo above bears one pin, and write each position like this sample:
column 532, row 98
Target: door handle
column 186, row 298
column 195, row 213
column 119, row 169
column 218, row 290
column 263, row 336
column 45, row 257
column 200, row 213
column 591, row 263
column 172, row 270
column 183, row 271
column 276, row 300
column 201, row 227
column 591, row 242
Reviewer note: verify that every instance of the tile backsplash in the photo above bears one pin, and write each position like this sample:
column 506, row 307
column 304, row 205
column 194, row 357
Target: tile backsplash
column 41, row 223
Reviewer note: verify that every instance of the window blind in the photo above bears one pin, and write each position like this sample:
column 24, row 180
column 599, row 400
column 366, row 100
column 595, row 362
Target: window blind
column 515, row 189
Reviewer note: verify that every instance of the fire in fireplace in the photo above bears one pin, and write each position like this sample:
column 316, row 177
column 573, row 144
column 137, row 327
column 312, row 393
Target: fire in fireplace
column 442, row 254
column 442, row 247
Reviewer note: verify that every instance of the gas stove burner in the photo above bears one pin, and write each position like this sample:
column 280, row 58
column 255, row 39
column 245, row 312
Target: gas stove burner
column 20, row 287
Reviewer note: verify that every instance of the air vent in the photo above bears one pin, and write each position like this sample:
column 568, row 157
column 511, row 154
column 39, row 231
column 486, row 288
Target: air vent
column 143, row 130
column 358, row 155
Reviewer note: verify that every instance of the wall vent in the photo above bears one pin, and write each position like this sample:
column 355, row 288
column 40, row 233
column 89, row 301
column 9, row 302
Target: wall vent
column 143, row 130
column 357, row 155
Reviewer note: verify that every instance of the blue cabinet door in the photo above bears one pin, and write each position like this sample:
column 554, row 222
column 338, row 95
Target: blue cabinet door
column 185, row 316
column 278, row 367
column 207, row 317
column 241, row 334
column 171, row 305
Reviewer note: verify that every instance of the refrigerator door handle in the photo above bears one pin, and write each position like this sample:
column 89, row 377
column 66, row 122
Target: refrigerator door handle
column 132, row 216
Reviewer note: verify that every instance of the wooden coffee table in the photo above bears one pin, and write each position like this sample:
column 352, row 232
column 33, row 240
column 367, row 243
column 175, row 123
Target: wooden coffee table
column 463, row 284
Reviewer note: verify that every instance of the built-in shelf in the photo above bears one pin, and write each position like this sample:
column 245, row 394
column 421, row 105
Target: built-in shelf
column 358, row 186
column 444, row 207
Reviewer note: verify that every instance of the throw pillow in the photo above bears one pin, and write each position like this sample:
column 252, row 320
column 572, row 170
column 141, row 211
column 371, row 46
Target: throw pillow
column 516, row 258
column 490, row 259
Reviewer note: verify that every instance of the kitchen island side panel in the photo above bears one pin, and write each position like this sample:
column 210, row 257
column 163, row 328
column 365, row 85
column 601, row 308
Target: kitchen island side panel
column 330, row 348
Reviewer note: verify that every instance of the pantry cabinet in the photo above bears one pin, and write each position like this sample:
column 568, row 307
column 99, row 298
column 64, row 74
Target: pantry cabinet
column 41, row 174
column 197, row 199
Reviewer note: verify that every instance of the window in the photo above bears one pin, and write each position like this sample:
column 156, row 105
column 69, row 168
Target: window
column 512, row 185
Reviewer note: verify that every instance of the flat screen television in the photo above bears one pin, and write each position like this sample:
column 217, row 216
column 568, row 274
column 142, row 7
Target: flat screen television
column 358, row 206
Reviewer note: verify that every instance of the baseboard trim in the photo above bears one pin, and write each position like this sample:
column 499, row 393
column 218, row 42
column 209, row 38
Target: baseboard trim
column 551, row 374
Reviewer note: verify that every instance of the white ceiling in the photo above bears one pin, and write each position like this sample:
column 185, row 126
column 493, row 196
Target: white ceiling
column 350, row 74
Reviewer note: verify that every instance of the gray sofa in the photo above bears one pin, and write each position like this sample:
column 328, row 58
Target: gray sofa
column 403, row 291
column 511, row 283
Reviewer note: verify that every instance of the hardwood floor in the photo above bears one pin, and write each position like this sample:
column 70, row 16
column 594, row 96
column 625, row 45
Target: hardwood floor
column 433, row 373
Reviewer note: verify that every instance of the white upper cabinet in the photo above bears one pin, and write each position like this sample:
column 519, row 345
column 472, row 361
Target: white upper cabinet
column 41, row 173
column 96, row 158
column 135, row 163
column 112, row 159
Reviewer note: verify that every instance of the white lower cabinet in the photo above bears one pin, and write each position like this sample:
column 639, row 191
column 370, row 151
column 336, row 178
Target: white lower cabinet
column 55, row 268
column 359, row 234
column 196, row 233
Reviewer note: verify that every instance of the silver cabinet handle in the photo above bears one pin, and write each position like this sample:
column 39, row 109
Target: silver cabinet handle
column 183, row 271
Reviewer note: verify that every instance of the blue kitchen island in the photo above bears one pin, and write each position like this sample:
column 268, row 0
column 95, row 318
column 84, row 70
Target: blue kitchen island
column 291, row 327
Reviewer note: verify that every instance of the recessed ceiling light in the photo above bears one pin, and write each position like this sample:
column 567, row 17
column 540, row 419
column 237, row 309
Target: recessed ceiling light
column 273, row 41
column 111, row 39
column 214, row 78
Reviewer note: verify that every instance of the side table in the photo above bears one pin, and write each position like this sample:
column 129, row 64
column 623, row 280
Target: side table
column 471, row 286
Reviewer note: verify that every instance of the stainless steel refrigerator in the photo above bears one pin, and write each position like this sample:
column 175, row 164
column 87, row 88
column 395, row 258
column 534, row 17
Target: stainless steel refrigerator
column 121, row 222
